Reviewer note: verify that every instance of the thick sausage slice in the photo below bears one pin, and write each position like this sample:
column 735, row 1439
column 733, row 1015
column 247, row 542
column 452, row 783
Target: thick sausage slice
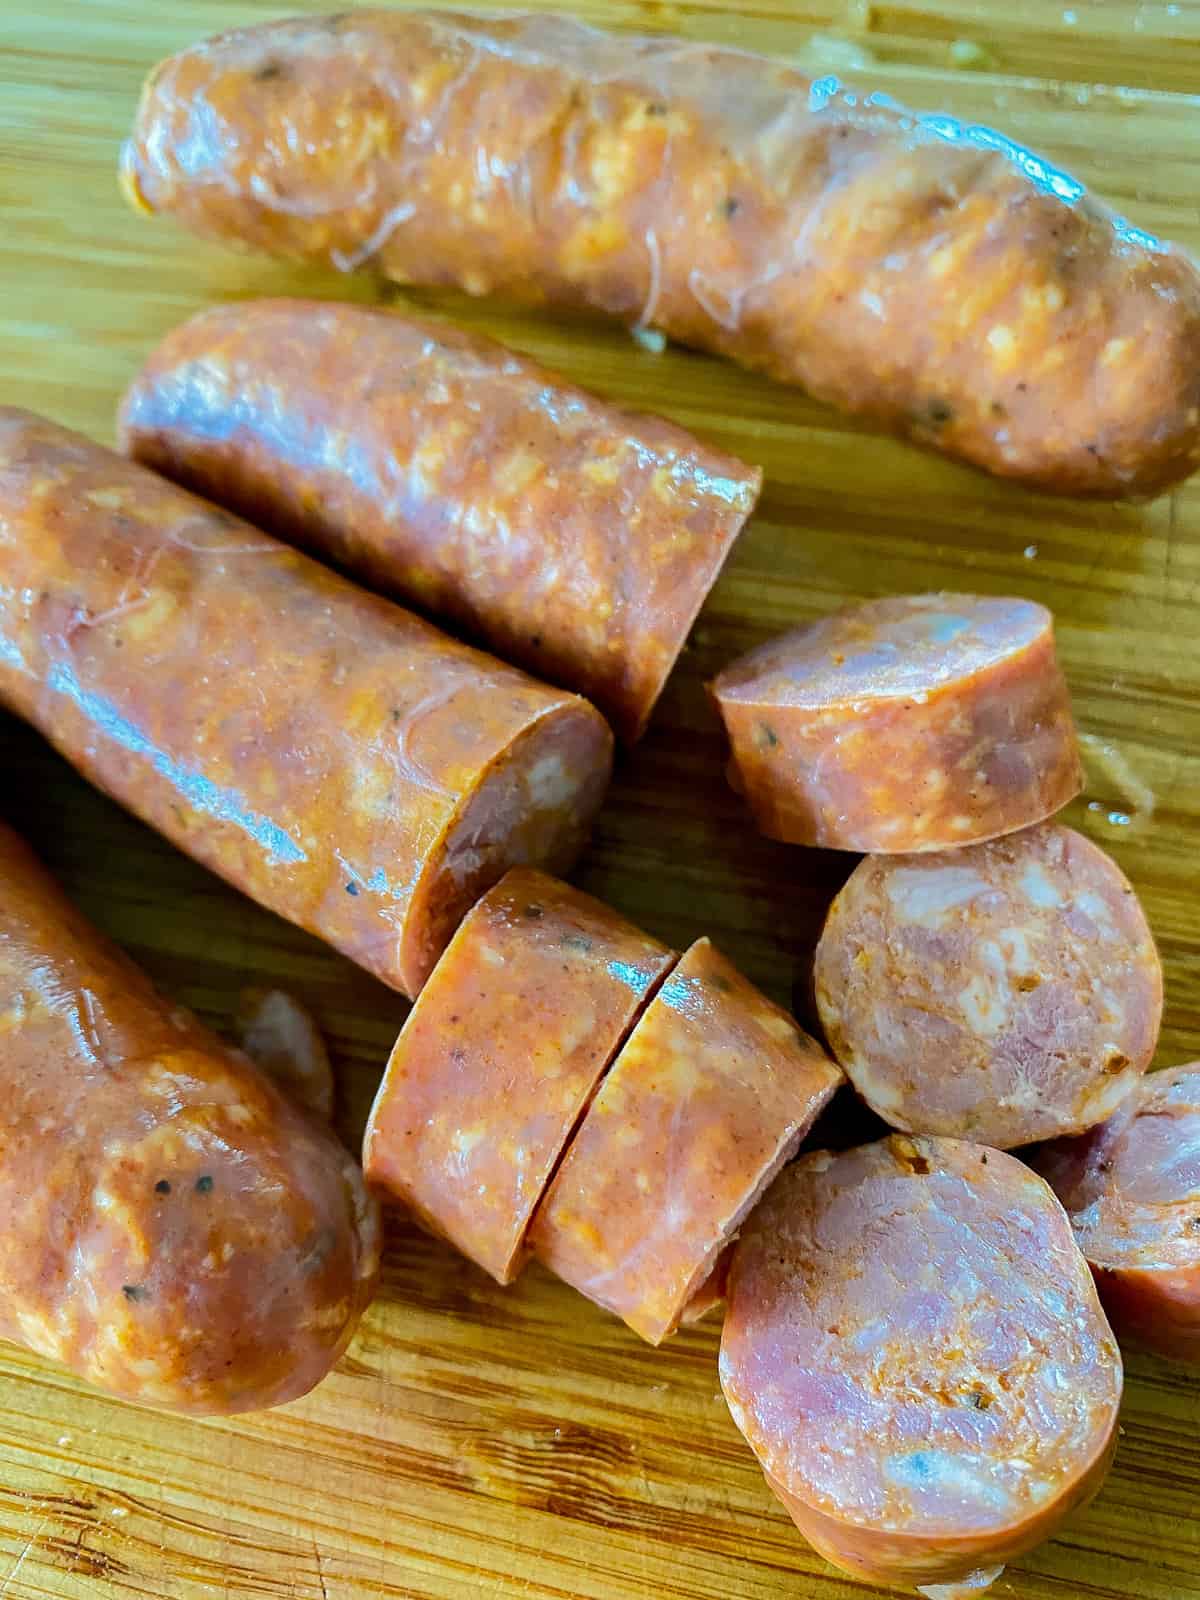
column 914, row 1350
column 925, row 274
column 175, row 1230
column 1006, row 993
column 331, row 755
column 917, row 722
column 711, row 1095
column 572, row 538
column 1132, row 1191
column 500, row 1056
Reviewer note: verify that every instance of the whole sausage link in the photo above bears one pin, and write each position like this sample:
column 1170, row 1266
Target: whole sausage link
column 176, row 1230
column 927, row 275
column 336, row 758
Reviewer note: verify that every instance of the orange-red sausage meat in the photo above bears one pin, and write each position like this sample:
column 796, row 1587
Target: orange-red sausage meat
column 925, row 274
column 572, row 538
column 916, row 722
column 713, row 1092
column 175, row 1230
column 331, row 755
column 1132, row 1191
column 1007, row 993
column 914, row 1350
column 499, row 1057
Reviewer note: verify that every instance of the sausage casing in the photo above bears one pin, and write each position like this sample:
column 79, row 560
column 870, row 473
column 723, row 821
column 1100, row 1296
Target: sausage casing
column 175, row 1229
column 925, row 274
column 336, row 758
column 572, row 538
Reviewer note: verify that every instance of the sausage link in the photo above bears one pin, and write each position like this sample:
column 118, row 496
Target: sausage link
column 713, row 1092
column 176, row 1230
column 914, row 1350
column 1131, row 1188
column 1008, row 992
column 572, row 538
column 336, row 758
column 915, row 722
column 929, row 276
column 499, row 1057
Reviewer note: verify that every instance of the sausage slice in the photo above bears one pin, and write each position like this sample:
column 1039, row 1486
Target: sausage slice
column 713, row 1092
column 499, row 1057
column 175, row 1230
column 914, row 1350
column 916, row 722
column 329, row 754
column 1009, row 992
column 572, row 538
column 1132, row 1191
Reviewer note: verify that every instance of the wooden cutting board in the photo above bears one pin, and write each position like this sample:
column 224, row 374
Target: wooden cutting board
column 477, row 1441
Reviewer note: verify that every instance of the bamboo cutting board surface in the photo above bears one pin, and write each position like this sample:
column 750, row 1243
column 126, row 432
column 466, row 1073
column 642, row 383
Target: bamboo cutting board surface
column 477, row 1441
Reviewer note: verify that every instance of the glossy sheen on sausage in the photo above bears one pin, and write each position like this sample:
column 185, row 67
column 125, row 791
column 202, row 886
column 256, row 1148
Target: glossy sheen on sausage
column 1131, row 1188
column 175, row 1230
column 925, row 274
column 572, row 538
column 914, row 1350
column 499, row 1057
column 713, row 1092
column 336, row 758
column 1007, row 993
column 915, row 722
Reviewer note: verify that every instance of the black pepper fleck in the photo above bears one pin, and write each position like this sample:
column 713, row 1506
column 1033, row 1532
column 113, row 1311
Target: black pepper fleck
column 269, row 70
column 767, row 737
column 533, row 911
column 204, row 1184
column 135, row 1291
column 656, row 108
column 351, row 888
column 731, row 205
column 162, row 1187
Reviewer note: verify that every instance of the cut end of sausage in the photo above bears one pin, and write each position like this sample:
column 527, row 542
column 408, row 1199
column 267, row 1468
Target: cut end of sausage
column 908, row 724
column 914, row 1350
column 1009, row 992
column 1131, row 1188
column 533, row 806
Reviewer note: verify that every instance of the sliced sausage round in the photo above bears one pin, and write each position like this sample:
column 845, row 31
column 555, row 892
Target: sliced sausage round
column 572, row 538
column 329, row 754
column 176, row 1230
column 1008, row 993
column 713, row 1092
column 916, row 722
column 1132, row 1191
column 499, row 1057
column 914, row 1350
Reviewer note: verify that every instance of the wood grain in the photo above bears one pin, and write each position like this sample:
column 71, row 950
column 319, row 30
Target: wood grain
column 519, row 1443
